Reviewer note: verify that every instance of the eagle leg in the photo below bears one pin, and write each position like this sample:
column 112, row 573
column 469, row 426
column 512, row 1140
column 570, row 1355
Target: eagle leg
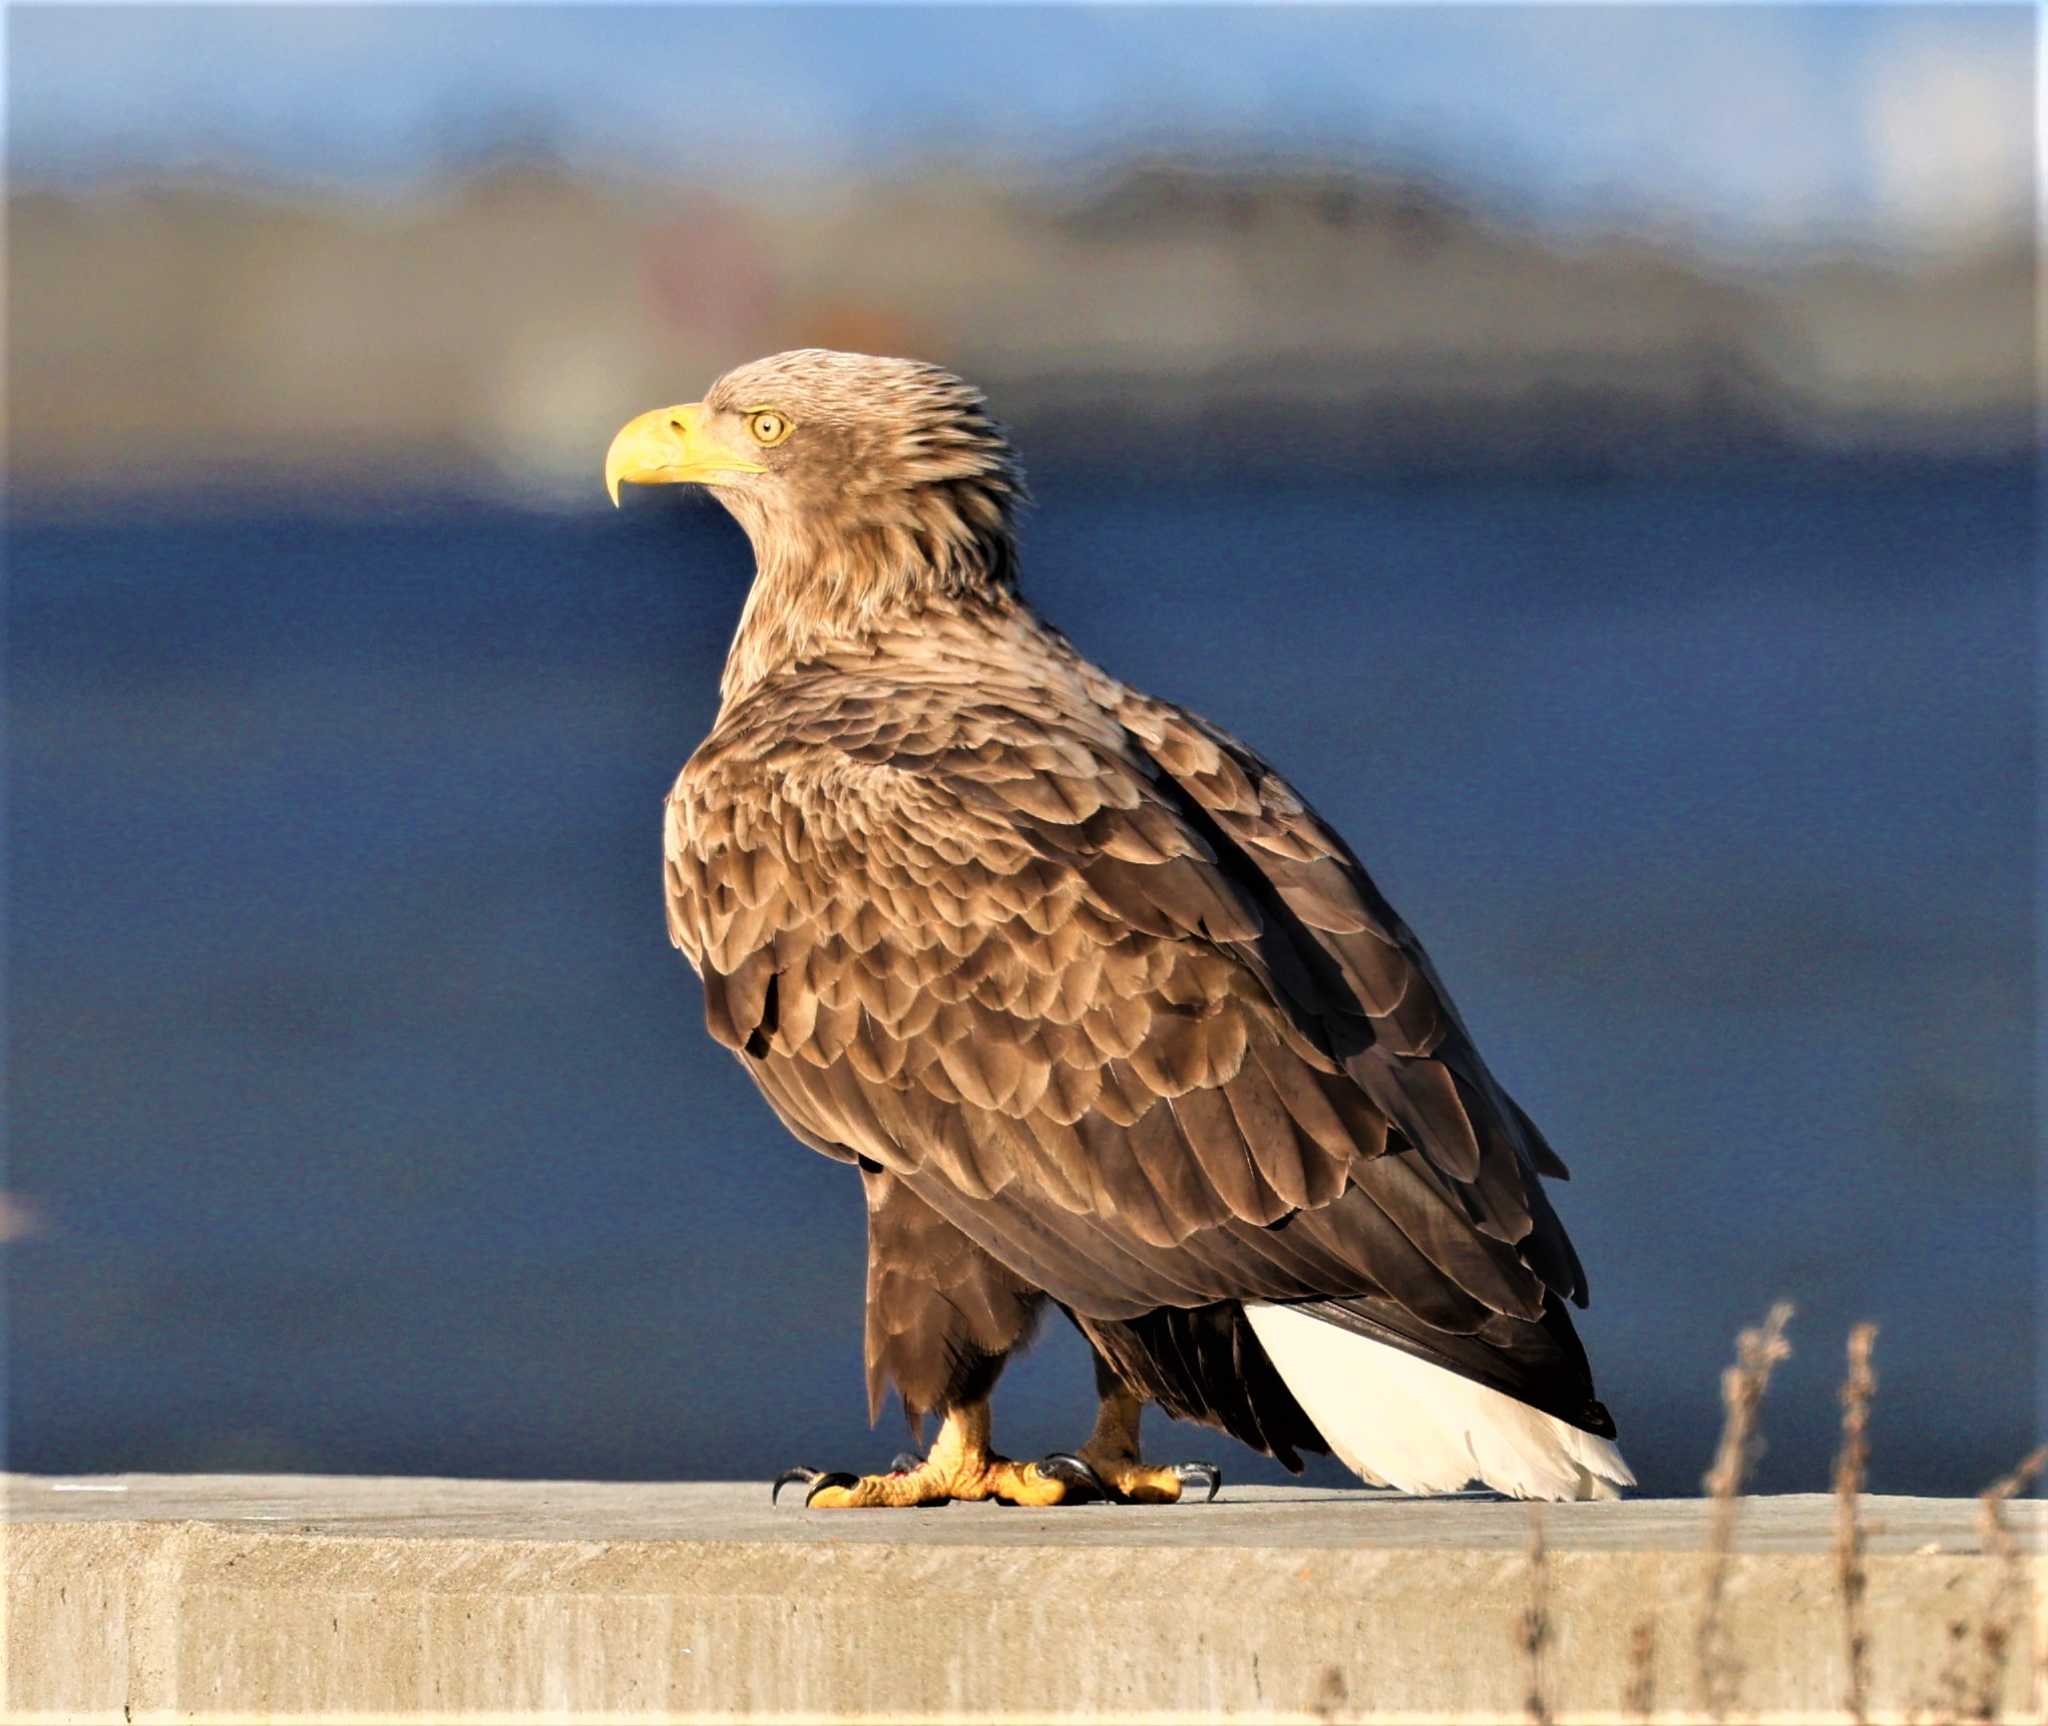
column 1111, row 1456
column 961, row 1466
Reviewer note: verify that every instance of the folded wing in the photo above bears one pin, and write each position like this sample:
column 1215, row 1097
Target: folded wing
column 1107, row 996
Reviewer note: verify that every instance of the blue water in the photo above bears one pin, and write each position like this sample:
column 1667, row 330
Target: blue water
column 371, row 1124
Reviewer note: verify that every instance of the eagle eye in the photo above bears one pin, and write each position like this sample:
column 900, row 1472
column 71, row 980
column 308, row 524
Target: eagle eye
column 768, row 426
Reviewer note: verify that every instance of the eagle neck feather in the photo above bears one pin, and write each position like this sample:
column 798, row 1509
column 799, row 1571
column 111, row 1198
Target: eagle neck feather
column 840, row 592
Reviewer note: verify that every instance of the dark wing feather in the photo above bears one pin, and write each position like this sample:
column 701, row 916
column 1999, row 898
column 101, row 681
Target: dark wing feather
column 1091, row 982
column 1421, row 1066
column 1205, row 1363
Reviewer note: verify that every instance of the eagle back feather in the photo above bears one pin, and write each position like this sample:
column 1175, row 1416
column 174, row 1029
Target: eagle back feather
column 1091, row 980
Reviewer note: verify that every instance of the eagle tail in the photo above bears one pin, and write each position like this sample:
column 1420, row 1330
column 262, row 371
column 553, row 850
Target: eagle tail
column 1397, row 1420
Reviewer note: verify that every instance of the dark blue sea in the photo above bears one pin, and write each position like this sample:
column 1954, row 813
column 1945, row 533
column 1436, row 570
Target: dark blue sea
column 361, row 1117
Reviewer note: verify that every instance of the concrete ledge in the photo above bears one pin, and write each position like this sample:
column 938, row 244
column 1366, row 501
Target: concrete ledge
column 157, row 1598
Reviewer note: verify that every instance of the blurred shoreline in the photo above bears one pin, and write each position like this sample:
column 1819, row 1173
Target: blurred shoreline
column 489, row 333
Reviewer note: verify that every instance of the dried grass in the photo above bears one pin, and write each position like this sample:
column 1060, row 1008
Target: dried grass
column 1851, row 1463
column 1757, row 1354
column 1534, row 1627
column 1972, row 1680
column 1995, row 1636
column 1951, row 1702
column 1640, row 1700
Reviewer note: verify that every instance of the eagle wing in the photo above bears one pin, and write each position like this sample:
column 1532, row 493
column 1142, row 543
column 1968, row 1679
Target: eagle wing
column 1101, row 989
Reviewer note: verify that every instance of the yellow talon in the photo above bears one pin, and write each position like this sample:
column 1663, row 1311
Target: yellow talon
column 1023, row 1483
column 1012, row 1482
column 1138, row 1482
column 961, row 1466
column 1112, row 1452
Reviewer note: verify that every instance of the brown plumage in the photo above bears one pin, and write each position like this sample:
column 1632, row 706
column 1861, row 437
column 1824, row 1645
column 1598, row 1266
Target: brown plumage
column 1101, row 1009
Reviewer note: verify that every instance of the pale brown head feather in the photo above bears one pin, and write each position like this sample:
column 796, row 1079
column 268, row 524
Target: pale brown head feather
column 895, row 491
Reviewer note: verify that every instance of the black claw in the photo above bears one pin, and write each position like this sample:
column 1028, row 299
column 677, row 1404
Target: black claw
column 1187, row 1473
column 806, row 1475
column 906, row 1462
column 825, row 1480
column 1082, row 1482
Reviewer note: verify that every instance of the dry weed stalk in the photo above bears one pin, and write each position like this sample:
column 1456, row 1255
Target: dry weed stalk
column 1952, row 1704
column 1757, row 1354
column 1995, row 1638
column 1639, row 1702
column 1535, row 1622
column 1850, row 1465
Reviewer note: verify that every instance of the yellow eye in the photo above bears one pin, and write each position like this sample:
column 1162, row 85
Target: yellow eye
column 768, row 426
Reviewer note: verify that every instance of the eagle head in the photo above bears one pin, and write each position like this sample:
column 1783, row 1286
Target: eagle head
column 873, row 474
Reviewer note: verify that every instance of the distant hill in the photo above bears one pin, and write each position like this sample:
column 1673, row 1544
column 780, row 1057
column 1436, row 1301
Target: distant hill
column 495, row 330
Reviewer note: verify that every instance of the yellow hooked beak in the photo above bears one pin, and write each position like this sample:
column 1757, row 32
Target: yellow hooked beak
column 670, row 447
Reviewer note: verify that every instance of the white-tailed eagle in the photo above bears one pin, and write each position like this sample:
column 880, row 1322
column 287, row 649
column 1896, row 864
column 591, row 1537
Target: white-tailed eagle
column 1101, row 1011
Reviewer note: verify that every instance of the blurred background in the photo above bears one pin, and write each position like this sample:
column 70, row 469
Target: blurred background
column 1592, row 451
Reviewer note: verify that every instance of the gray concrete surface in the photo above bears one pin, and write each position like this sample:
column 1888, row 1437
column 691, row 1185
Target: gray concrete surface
column 156, row 1598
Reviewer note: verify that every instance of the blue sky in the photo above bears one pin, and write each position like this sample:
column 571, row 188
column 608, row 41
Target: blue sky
column 1772, row 122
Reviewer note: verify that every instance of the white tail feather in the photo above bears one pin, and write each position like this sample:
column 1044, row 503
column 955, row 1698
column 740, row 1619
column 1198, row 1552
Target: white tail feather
column 1396, row 1420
